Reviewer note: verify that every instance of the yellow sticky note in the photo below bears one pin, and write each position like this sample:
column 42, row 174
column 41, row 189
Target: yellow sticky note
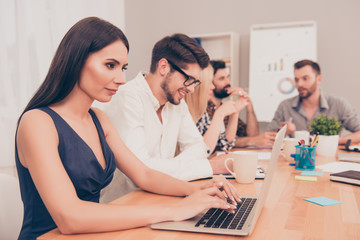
column 306, row 178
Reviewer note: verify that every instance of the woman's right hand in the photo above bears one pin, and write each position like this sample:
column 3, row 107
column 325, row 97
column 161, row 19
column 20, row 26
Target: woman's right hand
column 199, row 201
column 227, row 108
column 242, row 101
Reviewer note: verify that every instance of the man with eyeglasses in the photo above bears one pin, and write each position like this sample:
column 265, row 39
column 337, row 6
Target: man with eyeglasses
column 155, row 123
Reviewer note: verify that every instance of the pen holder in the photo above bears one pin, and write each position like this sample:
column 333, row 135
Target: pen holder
column 305, row 158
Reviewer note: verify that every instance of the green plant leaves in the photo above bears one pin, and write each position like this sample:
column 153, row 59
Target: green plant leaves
column 324, row 125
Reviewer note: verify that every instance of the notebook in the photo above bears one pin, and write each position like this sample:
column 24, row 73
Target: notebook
column 351, row 176
column 217, row 221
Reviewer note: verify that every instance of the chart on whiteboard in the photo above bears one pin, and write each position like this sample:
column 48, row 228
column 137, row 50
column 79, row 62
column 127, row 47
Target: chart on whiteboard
column 273, row 51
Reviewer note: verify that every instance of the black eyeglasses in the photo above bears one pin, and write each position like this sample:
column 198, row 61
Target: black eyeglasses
column 189, row 80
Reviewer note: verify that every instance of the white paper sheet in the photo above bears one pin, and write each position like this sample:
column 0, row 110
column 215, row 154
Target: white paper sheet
column 339, row 167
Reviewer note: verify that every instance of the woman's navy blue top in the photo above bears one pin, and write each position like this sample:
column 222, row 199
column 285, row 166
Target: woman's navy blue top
column 80, row 163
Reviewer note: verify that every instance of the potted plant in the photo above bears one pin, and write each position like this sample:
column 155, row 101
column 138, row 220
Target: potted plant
column 328, row 129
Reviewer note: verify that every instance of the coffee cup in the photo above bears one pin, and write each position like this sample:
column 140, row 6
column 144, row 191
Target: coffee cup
column 244, row 165
column 289, row 148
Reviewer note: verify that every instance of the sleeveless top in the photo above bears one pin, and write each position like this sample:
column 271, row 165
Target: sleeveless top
column 80, row 163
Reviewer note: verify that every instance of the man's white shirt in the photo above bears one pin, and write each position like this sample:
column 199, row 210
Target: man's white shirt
column 133, row 112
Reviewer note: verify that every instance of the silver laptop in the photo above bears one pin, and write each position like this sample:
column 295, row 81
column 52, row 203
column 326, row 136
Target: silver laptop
column 242, row 222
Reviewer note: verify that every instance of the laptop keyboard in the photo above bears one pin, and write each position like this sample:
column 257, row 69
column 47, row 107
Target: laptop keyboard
column 219, row 218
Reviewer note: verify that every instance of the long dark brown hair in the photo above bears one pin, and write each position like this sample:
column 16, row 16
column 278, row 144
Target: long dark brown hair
column 87, row 36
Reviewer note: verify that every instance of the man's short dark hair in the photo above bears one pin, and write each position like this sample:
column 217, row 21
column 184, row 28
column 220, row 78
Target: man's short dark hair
column 217, row 64
column 315, row 66
column 179, row 49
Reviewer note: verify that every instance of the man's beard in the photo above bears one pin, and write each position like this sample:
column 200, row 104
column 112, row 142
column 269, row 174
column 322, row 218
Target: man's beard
column 169, row 95
column 309, row 92
column 222, row 93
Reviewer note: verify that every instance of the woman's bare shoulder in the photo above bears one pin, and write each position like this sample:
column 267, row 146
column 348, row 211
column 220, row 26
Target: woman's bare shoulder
column 36, row 128
column 36, row 120
column 33, row 116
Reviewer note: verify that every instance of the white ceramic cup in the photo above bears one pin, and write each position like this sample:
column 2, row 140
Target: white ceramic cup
column 302, row 135
column 289, row 148
column 327, row 145
column 245, row 166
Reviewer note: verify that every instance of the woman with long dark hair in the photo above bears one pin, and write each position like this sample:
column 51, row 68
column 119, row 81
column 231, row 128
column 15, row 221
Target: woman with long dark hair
column 67, row 151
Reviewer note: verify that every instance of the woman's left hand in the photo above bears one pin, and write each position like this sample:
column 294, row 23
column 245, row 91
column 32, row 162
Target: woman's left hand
column 224, row 185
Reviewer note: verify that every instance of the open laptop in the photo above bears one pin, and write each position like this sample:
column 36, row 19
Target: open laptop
column 242, row 222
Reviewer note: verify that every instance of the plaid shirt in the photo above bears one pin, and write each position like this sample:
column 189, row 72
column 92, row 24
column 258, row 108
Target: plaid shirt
column 241, row 128
column 204, row 123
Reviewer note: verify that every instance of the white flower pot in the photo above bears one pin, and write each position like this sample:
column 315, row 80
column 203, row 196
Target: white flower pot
column 327, row 145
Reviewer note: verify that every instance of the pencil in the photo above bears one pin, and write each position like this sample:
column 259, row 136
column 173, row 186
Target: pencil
column 315, row 140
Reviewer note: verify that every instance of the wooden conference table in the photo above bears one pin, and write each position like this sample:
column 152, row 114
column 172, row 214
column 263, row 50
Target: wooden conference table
column 285, row 214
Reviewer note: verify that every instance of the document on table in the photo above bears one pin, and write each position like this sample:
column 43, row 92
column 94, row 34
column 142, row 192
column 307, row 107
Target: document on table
column 339, row 167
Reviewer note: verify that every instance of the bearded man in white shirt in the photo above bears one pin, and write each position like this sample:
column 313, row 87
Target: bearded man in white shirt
column 153, row 120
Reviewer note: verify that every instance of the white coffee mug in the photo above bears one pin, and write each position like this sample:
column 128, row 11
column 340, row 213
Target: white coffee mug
column 302, row 135
column 289, row 148
column 245, row 166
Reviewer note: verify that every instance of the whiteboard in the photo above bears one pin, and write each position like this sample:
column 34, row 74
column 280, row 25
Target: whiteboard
column 274, row 48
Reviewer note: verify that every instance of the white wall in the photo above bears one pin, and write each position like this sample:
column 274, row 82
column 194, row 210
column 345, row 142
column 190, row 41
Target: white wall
column 31, row 30
column 30, row 33
column 337, row 22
